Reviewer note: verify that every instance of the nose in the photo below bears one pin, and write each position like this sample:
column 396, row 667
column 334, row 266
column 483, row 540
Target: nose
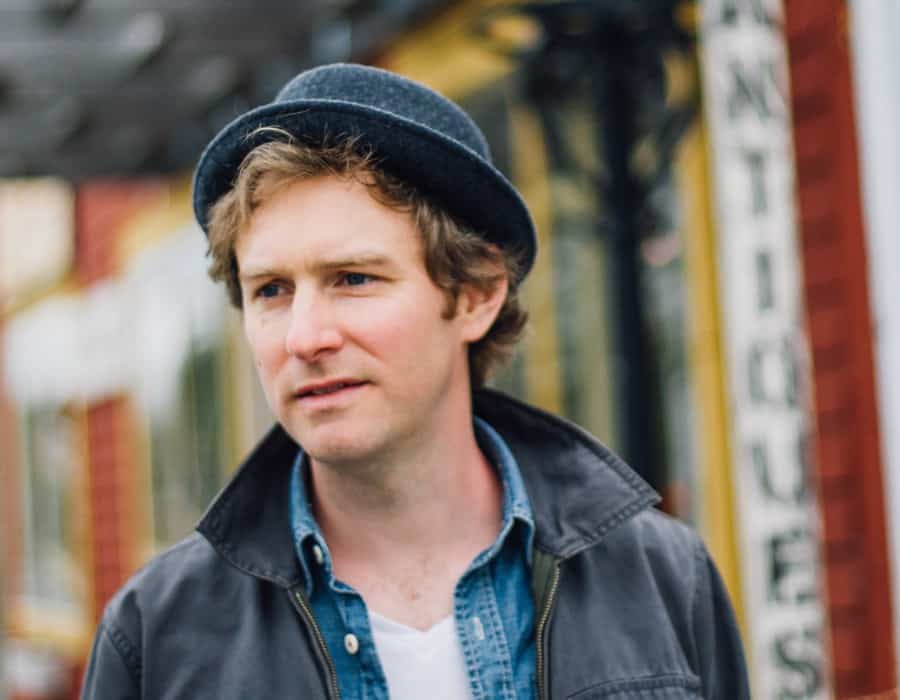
column 313, row 331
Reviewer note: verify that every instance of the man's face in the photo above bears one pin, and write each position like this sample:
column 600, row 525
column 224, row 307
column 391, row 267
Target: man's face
column 346, row 326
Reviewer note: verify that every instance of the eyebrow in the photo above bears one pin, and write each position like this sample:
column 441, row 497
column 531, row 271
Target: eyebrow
column 350, row 261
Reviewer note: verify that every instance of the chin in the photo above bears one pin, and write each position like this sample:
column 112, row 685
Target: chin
column 335, row 448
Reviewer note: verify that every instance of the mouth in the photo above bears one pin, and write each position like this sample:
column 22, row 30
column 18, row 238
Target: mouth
column 315, row 391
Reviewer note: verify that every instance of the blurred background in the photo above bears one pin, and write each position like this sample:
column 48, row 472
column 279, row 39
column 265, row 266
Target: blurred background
column 715, row 185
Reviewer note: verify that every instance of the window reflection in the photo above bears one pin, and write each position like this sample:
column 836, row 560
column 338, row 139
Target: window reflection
column 186, row 445
column 53, row 572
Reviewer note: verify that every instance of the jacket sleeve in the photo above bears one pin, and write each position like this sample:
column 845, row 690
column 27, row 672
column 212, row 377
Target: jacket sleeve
column 113, row 671
column 720, row 654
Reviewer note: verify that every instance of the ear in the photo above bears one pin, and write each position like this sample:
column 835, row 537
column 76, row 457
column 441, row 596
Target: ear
column 477, row 309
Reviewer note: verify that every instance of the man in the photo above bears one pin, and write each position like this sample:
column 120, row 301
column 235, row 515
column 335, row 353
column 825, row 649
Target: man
column 403, row 532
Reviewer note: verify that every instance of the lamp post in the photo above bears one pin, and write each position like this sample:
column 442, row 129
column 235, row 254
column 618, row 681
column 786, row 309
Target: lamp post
column 614, row 53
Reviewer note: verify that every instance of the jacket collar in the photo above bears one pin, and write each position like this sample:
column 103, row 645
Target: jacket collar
column 579, row 491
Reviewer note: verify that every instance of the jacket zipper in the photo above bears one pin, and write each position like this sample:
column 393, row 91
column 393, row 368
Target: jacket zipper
column 303, row 608
column 540, row 633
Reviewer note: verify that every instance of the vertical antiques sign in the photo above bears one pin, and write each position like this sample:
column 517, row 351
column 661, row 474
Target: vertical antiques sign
column 745, row 78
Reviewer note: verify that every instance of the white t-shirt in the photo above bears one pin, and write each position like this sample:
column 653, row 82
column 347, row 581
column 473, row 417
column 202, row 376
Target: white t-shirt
column 420, row 664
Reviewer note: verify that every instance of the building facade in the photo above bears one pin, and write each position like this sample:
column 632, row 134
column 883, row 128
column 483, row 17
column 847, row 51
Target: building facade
column 709, row 185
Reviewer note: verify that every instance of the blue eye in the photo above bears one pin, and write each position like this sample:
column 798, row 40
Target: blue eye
column 267, row 291
column 356, row 279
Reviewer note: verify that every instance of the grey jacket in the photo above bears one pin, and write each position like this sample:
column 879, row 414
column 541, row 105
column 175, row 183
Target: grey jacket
column 629, row 604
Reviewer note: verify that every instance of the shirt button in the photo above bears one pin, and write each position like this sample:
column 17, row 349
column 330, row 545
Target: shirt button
column 478, row 628
column 317, row 553
column 351, row 644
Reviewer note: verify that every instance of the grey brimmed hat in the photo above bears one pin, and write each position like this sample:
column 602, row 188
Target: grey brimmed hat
column 417, row 135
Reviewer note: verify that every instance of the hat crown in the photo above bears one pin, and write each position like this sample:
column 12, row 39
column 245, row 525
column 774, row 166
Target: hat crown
column 393, row 94
column 417, row 135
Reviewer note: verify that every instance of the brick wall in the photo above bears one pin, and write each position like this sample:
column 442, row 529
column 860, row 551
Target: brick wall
column 840, row 327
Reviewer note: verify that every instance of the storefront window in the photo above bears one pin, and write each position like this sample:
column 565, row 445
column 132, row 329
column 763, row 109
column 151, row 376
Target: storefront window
column 181, row 388
column 53, row 573
column 187, row 445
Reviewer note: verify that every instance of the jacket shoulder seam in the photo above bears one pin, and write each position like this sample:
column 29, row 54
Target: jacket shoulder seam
column 124, row 648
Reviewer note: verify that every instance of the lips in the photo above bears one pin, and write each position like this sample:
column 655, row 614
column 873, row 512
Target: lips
column 326, row 388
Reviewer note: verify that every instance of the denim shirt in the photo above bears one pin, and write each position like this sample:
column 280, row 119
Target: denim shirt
column 493, row 605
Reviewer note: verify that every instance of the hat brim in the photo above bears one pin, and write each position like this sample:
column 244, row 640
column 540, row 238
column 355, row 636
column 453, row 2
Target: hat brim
column 461, row 181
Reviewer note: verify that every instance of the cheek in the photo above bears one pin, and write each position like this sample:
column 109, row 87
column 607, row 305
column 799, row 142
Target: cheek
column 383, row 325
column 266, row 346
column 403, row 335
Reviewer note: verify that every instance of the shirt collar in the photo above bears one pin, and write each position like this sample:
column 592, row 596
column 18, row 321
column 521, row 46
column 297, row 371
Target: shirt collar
column 310, row 543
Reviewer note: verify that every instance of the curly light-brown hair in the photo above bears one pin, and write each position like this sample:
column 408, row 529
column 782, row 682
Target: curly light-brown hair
column 454, row 254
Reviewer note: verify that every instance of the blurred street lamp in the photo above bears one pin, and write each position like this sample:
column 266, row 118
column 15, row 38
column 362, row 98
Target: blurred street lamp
column 613, row 53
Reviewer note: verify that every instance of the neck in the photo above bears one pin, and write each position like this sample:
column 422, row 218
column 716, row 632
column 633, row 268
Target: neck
column 442, row 491
column 403, row 527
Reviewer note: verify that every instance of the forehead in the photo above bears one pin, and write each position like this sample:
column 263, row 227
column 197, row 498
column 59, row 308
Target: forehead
column 325, row 218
